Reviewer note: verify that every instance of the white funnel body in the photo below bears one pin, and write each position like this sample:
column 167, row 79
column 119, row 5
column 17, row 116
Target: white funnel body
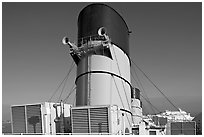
column 108, row 81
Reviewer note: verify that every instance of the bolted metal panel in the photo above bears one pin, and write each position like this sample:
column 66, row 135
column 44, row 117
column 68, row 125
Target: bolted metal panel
column 18, row 119
column 95, row 16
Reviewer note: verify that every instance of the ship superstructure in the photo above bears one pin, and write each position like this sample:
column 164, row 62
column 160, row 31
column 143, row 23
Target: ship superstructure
column 106, row 101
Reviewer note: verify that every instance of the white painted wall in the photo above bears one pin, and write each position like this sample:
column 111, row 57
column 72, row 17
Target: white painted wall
column 136, row 111
column 104, row 88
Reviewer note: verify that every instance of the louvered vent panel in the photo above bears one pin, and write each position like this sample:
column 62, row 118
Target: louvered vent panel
column 18, row 119
column 34, row 119
column 183, row 128
column 96, row 118
column 80, row 121
column 99, row 120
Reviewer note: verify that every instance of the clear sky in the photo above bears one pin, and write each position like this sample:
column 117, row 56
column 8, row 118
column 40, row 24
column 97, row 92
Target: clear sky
column 166, row 42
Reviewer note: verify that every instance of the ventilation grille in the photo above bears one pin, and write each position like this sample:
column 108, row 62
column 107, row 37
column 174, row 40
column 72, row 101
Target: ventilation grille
column 99, row 120
column 183, row 128
column 18, row 118
column 90, row 120
column 34, row 118
column 27, row 119
column 80, row 121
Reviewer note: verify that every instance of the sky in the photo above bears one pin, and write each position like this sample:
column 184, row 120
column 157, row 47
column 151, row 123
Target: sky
column 166, row 43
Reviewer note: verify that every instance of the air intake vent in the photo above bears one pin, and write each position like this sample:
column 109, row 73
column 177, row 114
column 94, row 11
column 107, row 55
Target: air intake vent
column 99, row 120
column 27, row 119
column 34, row 119
column 18, row 118
column 90, row 120
column 38, row 118
column 80, row 121
column 183, row 128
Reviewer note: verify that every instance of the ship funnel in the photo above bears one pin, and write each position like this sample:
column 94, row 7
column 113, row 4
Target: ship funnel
column 103, row 61
column 102, row 31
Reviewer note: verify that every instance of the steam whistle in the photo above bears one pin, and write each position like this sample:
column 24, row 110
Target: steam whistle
column 65, row 41
column 102, row 32
column 91, row 45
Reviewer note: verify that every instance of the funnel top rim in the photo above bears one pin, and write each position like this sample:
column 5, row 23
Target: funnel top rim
column 102, row 4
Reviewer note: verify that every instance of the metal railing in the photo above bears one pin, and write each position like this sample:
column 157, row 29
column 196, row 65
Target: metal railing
column 84, row 40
